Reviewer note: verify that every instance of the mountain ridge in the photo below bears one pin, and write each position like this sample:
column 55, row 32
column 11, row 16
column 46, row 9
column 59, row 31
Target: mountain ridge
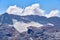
column 8, row 18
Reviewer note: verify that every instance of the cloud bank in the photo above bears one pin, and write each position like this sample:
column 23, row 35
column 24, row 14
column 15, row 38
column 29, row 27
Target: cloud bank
column 31, row 10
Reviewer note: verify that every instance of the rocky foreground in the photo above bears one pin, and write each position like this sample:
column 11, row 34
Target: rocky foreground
column 33, row 33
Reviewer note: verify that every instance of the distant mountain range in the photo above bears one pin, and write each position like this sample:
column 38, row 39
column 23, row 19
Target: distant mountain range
column 8, row 19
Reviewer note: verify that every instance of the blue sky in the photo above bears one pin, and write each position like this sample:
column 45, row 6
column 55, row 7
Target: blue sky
column 47, row 5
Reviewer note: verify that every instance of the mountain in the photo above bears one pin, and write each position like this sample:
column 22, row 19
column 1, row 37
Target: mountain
column 8, row 18
column 45, row 32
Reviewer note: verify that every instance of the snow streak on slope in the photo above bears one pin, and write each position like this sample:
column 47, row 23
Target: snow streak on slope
column 21, row 26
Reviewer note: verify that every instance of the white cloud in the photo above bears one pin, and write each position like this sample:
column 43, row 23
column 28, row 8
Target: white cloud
column 21, row 26
column 30, row 10
column 14, row 10
column 33, row 10
column 53, row 13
